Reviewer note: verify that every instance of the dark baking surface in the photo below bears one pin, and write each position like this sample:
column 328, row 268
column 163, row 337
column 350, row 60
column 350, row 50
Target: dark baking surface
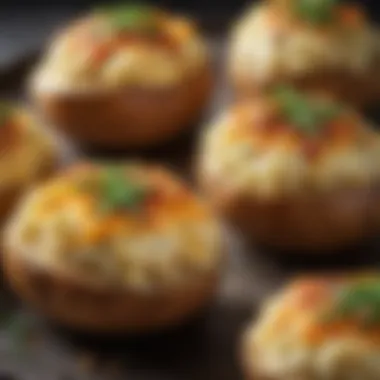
column 26, row 24
column 31, row 348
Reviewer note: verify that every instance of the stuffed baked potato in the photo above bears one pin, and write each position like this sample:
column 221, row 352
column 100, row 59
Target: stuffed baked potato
column 124, row 77
column 294, row 171
column 317, row 328
column 314, row 45
column 27, row 154
column 114, row 248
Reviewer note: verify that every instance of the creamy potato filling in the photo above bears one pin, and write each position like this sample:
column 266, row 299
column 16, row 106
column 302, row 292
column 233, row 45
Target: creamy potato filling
column 273, row 164
column 285, row 357
column 267, row 45
column 156, row 244
column 92, row 56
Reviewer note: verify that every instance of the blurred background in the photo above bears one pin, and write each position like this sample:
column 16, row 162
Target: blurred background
column 26, row 24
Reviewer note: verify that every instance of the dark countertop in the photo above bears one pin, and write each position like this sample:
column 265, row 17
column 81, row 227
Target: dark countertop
column 25, row 30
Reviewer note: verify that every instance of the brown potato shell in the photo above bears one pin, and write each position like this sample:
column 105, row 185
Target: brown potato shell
column 131, row 118
column 313, row 221
column 98, row 309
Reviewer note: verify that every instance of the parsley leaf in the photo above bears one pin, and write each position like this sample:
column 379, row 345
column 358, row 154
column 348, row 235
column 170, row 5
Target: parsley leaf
column 120, row 192
column 315, row 11
column 360, row 301
column 131, row 17
column 306, row 114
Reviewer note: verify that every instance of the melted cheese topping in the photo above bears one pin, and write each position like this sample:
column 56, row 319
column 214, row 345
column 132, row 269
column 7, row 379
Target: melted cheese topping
column 88, row 57
column 269, row 43
column 170, row 239
column 292, row 339
column 253, row 151
column 24, row 150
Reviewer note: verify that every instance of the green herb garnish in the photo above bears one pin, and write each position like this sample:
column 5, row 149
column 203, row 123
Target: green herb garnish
column 315, row 11
column 118, row 191
column 360, row 301
column 306, row 114
column 131, row 17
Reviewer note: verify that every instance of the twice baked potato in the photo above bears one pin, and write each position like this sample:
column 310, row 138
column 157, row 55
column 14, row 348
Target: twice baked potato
column 293, row 171
column 314, row 45
column 321, row 328
column 27, row 155
column 114, row 248
column 124, row 77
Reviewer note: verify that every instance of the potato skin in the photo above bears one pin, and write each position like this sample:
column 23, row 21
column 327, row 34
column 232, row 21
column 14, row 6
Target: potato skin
column 316, row 223
column 95, row 309
column 131, row 118
column 358, row 91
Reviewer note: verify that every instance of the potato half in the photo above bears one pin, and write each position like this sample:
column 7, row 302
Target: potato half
column 124, row 248
column 316, row 329
column 124, row 77
column 319, row 46
column 27, row 155
column 293, row 171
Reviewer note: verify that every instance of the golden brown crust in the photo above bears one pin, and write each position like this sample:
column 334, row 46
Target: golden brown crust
column 75, row 304
column 263, row 119
column 131, row 118
column 313, row 222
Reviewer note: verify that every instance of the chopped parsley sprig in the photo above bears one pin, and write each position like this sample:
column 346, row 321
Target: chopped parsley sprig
column 306, row 114
column 119, row 191
column 317, row 12
column 131, row 17
column 359, row 301
column 115, row 189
